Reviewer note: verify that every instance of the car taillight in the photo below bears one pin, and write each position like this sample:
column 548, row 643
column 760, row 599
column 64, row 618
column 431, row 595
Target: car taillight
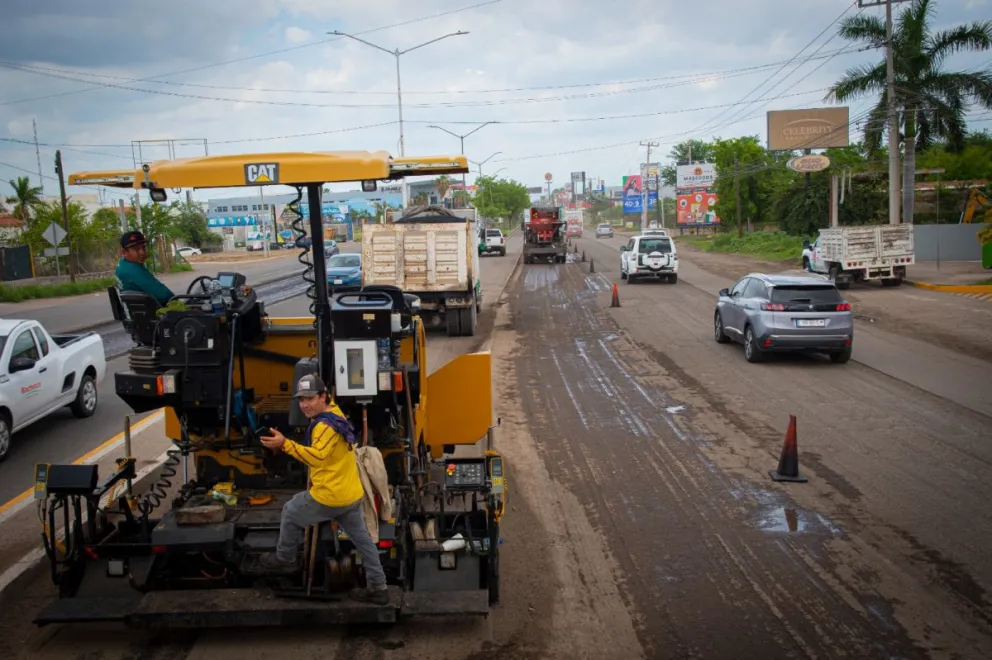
column 773, row 307
column 844, row 307
column 500, row 240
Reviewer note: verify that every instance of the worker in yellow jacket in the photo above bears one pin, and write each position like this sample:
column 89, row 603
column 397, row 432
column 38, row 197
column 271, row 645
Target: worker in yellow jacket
column 335, row 494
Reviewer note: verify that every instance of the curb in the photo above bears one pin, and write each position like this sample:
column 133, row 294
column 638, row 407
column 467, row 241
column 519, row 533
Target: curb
column 953, row 288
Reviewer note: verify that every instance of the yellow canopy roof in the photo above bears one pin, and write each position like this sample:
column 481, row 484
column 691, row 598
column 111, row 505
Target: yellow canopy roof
column 285, row 168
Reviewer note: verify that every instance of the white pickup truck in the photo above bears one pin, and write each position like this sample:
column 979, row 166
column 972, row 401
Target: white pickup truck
column 862, row 253
column 41, row 373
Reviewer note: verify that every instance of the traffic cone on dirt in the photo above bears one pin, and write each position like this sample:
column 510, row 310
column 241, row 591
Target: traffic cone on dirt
column 788, row 463
column 583, row 256
column 592, row 265
column 616, row 296
column 576, row 250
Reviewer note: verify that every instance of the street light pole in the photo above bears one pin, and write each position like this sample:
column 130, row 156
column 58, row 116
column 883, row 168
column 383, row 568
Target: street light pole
column 399, row 88
column 462, row 138
column 479, row 165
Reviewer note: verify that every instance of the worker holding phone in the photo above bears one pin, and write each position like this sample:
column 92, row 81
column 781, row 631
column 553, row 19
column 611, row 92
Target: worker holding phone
column 335, row 491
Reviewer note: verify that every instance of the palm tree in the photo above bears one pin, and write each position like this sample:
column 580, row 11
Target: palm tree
column 26, row 198
column 443, row 185
column 930, row 101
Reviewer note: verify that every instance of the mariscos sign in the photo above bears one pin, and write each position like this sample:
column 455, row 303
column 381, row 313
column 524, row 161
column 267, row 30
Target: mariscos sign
column 813, row 128
column 700, row 175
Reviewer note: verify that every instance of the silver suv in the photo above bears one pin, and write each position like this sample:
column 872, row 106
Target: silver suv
column 604, row 229
column 785, row 313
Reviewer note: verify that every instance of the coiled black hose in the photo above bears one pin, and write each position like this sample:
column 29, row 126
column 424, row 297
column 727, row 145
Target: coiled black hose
column 298, row 226
column 160, row 489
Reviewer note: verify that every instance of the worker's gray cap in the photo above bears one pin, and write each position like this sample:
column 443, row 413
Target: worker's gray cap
column 309, row 385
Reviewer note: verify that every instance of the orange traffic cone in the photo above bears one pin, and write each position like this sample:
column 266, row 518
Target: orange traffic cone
column 592, row 265
column 616, row 296
column 788, row 463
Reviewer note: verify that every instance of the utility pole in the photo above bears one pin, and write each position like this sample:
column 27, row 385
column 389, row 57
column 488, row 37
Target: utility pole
column 123, row 214
column 65, row 216
column 895, row 189
column 645, row 182
column 37, row 153
column 737, row 198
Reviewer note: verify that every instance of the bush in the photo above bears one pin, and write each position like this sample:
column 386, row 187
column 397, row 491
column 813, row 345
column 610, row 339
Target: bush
column 30, row 291
column 776, row 246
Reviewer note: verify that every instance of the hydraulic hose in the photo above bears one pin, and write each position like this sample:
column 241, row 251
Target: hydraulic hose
column 298, row 227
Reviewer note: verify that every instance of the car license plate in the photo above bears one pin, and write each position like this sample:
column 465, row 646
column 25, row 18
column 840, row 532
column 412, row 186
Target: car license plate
column 337, row 281
column 810, row 323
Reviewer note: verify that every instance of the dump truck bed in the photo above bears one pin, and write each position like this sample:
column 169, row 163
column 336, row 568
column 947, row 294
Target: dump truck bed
column 866, row 243
column 421, row 256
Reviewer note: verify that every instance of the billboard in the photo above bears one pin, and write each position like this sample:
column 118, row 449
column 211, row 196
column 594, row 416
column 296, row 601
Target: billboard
column 651, row 174
column 700, row 175
column 696, row 208
column 579, row 183
column 812, row 128
column 632, row 190
column 535, row 190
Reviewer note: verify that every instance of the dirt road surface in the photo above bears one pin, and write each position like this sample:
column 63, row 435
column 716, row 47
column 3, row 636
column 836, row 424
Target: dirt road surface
column 642, row 520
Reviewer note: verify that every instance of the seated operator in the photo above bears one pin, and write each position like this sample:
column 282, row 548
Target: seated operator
column 335, row 493
column 132, row 275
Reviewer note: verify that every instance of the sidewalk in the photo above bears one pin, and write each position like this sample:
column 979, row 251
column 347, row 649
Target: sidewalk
column 71, row 314
column 955, row 273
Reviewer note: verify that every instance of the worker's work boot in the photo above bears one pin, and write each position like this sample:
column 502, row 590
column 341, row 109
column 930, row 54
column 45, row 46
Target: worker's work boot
column 371, row 594
column 271, row 563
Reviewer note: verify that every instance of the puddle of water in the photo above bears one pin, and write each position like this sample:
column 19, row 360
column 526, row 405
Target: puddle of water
column 782, row 519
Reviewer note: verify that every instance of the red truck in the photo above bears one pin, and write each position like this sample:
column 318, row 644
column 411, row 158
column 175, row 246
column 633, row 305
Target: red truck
column 544, row 235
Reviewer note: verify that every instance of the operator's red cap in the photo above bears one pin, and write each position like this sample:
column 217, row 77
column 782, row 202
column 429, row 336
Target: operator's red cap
column 132, row 239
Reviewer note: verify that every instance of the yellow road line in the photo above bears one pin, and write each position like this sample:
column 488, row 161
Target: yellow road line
column 88, row 456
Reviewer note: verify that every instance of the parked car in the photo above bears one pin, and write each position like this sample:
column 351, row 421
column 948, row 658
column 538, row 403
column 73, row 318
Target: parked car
column 344, row 272
column 494, row 242
column 41, row 373
column 649, row 256
column 785, row 313
column 604, row 230
column 188, row 251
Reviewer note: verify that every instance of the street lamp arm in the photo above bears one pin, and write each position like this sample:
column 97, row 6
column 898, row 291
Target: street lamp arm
column 490, row 158
column 428, row 43
column 478, row 128
column 367, row 43
column 445, row 130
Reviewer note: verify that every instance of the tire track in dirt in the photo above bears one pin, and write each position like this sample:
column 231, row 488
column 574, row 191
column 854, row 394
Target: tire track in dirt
column 702, row 575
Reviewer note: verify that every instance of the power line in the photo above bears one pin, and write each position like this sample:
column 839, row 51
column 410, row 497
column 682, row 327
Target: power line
column 266, row 54
column 689, row 78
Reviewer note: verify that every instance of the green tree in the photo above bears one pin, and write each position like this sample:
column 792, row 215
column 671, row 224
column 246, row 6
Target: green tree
column 443, row 185
column 500, row 198
column 931, row 102
column 26, row 198
column 745, row 158
column 190, row 224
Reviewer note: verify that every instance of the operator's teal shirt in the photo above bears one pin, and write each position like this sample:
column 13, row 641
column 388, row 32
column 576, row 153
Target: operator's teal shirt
column 135, row 277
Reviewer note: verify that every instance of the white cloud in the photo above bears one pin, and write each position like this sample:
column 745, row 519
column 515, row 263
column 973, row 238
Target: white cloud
column 295, row 35
column 545, row 54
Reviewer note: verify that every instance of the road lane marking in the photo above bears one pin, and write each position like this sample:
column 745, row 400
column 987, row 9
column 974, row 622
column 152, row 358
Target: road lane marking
column 13, row 506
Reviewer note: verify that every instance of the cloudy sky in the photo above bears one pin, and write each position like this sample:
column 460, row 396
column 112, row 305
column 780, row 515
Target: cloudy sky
column 571, row 84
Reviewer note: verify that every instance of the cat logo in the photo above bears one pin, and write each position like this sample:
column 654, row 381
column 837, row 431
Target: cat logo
column 259, row 173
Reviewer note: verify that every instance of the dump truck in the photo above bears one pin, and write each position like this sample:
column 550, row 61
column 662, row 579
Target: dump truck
column 431, row 252
column 544, row 235
column 861, row 254
column 574, row 223
column 184, row 551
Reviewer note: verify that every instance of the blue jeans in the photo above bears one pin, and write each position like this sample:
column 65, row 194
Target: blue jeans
column 303, row 510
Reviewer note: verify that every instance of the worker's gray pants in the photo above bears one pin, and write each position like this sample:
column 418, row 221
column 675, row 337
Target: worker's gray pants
column 303, row 510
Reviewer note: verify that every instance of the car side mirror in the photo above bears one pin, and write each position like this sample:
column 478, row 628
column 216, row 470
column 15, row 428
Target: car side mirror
column 21, row 364
column 725, row 293
column 806, row 245
column 623, row 248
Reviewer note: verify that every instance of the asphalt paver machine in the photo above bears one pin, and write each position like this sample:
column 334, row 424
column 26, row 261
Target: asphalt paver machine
column 184, row 553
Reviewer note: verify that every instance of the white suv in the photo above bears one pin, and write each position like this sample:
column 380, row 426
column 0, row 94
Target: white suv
column 494, row 243
column 649, row 256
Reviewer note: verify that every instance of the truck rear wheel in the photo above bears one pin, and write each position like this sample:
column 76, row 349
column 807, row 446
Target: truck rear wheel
column 469, row 321
column 86, row 398
column 454, row 317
